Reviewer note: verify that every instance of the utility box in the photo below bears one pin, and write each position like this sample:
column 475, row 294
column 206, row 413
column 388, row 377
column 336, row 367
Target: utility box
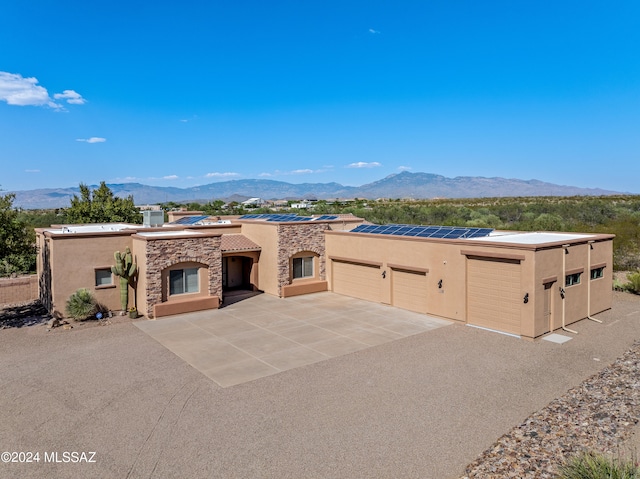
column 152, row 218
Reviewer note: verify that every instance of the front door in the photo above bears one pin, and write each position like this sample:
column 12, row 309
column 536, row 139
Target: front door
column 236, row 272
column 548, row 302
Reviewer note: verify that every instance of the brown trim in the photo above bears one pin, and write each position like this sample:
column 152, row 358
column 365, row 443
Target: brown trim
column 184, row 234
column 598, row 265
column 550, row 279
column 410, row 269
column 574, row 271
column 486, row 254
column 356, row 261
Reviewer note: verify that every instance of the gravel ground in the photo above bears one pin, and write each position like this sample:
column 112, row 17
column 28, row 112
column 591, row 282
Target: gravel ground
column 20, row 315
column 33, row 313
column 601, row 414
column 423, row 407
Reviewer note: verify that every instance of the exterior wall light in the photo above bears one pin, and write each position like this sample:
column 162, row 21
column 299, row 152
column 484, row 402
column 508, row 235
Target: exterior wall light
column 440, row 284
column 526, row 298
column 384, row 274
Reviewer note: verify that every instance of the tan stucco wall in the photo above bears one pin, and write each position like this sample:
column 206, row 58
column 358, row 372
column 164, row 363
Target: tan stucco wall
column 266, row 235
column 443, row 260
column 73, row 260
column 448, row 261
column 549, row 266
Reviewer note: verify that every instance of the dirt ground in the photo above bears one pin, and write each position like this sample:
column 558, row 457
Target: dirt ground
column 420, row 407
column 33, row 313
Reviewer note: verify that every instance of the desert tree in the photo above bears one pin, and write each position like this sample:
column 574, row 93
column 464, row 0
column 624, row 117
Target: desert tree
column 17, row 242
column 101, row 206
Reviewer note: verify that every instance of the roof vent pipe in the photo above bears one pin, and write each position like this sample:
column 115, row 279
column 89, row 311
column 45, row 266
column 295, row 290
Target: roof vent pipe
column 590, row 245
column 565, row 252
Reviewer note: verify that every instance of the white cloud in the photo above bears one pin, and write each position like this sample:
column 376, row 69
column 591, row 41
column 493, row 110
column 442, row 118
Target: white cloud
column 93, row 139
column 32, row 171
column 71, row 96
column 20, row 91
column 299, row 171
column 362, row 164
column 170, row 177
column 227, row 174
column 183, row 121
column 404, row 168
column 375, row 32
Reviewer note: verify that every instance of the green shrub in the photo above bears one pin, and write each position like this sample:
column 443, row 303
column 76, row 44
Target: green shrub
column 81, row 304
column 591, row 465
column 634, row 282
column 618, row 286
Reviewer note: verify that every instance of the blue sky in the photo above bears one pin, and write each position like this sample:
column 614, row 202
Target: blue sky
column 192, row 92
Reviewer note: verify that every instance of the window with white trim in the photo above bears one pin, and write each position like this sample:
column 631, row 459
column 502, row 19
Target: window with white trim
column 572, row 279
column 597, row 273
column 183, row 281
column 303, row 267
column 103, row 277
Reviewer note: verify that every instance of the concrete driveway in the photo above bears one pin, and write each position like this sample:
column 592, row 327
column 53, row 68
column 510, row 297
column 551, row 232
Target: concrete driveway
column 423, row 406
column 264, row 335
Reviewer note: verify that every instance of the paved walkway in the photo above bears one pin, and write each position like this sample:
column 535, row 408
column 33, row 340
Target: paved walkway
column 264, row 335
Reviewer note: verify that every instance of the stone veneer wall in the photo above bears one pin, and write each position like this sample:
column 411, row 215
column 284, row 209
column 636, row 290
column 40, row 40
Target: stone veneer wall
column 163, row 253
column 293, row 239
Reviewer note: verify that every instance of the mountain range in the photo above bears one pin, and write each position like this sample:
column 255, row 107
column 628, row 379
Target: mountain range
column 400, row 185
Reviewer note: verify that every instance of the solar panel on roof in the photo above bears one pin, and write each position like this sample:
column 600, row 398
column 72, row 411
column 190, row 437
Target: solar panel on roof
column 448, row 232
column 189, row 220
column 285, row 218
column 326, row 217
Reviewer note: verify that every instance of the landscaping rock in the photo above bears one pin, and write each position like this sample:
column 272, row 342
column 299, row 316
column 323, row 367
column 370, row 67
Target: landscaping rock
column 599, row 415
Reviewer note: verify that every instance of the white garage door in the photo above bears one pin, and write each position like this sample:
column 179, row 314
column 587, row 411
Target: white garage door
column 409, row 290
column 357, row 280
column 493, row 294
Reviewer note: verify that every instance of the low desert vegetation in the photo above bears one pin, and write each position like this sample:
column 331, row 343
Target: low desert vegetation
column 81, row 305
column 590, row 465
column 633, row 285
column 618, row 215
column 627, row 281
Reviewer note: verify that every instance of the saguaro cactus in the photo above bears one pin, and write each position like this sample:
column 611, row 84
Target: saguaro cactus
column 127, row 270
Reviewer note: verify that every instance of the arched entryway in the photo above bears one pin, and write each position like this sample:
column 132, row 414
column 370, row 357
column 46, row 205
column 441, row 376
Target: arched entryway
column 236, row 273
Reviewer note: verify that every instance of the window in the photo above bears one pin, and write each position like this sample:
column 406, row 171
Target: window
column 104, row 277
column 597, row 273
column 303, row 267
column 572, row 279
column 183, row 281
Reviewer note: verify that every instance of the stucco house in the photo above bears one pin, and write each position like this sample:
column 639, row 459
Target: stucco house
column 525, row 284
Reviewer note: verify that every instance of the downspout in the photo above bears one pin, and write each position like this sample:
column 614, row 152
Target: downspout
column 590, row 245
column 565, row 251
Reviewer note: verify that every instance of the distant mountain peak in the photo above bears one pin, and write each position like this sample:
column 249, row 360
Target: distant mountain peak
column 404, row 184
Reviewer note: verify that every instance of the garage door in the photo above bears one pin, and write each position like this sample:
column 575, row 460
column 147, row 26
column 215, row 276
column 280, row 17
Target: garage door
column 493, row 294
column 409, row 290
column 357, row 280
